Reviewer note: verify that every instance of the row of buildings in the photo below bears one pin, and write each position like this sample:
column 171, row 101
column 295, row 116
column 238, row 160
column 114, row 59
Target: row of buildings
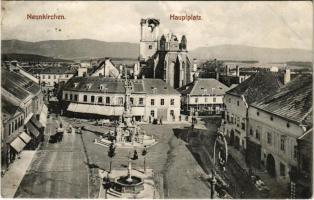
column 268, row 120
column 24, row 115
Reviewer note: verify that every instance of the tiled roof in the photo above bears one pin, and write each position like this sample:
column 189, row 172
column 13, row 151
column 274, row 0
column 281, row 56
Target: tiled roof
column 8, row 108
column 293, row 101
column 259, row 85
column 58, row 70
column 15, row 82
column 213, row 87
column 112, row 85
column 161, row 87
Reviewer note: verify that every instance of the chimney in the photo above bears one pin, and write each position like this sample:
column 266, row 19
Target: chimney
column 287, row 76
column 237, row 71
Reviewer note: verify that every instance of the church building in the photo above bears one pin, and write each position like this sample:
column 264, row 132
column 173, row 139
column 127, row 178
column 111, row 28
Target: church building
column 164, row 57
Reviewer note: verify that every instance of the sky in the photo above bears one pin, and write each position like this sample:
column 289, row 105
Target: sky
column 287, row 24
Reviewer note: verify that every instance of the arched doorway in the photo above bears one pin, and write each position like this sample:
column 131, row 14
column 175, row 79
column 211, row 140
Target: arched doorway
column 270, row 165
column 231, row 137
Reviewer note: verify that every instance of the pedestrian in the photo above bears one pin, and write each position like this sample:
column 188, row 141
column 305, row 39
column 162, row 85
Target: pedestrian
column 160, row 121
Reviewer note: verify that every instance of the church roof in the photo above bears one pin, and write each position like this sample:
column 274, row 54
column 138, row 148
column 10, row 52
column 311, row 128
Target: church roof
column 257, row 86
column 293, row 101
column 198, row 87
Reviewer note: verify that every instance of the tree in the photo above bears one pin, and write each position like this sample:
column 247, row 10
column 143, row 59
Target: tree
column 111, row 154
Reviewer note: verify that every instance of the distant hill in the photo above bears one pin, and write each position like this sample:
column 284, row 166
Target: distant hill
column 29, row 58
column 89, row 49
column 72, row 49
column 239, row 52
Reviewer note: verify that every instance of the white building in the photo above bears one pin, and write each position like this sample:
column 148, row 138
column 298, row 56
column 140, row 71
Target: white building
column 203, row 96
column 237, row 101
column 275, row 124
column 105, row 97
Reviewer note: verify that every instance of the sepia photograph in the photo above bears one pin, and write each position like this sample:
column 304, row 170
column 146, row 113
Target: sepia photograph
column 157, row 99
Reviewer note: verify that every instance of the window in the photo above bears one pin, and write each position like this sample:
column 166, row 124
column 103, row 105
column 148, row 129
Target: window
column 257, row 113
column 238, row 103
column 251, row 131
column 92, row 98
column 172, row 102
column 44, row 77
column 288, row 125
column 152, row 102
column 282, row 143
column 269, row 138
column 107, row 100
column 196, row 100
column 206, row 99
column 66, row 96
column 120, row 100
column 10, row 129
column 67, row 75
column 141, row 101
column 229, row 100
column 152, row 113
column 271, row 118
column 54, row 77
column 85, row 98
column 243, row 126
column 282, row 169
column 132, row 101
column 16, row 125
column 257, row 135
column 162, row 102
column 75, row 97
column 150, row 46
column 99, row 99
column 172, row 113
column 214, row 99
column 295, row 152
column 71, row 96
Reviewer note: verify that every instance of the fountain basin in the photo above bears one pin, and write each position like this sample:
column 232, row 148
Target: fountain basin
column 122, row 185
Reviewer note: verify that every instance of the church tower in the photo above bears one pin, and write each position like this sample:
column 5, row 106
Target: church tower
column 149, row 38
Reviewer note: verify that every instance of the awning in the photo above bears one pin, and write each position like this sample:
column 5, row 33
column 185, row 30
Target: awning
column 18, row 144
column 96, row 109
column 33, row 129
column 26, row 138
column 138, row 111
column 43, row 116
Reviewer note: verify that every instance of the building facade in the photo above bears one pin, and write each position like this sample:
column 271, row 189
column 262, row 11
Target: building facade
column 24, row 114
column 164, row 57
column 104, row 97
column 275, row 124
column 237, row 101
column 203, row 97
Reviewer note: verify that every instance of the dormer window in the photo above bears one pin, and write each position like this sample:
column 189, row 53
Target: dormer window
column 75, row 85
column 88, row 86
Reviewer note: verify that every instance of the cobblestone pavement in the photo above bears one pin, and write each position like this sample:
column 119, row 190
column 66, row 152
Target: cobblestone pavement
column 57, row 170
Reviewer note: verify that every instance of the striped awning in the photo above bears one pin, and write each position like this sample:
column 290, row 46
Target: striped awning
column 17, row 144
column 33, row 129
column 96, row 109
column 25, row 137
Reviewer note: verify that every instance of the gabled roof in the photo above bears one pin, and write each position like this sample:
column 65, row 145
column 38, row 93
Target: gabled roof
column 160, row 87
column 259, row 85
column 293, row 101
column 58, row 70
column 212, row 87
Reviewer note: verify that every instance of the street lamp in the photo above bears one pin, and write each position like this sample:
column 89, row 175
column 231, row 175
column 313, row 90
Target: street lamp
column 144, row 152
column 222, row 160
column 106, row 184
